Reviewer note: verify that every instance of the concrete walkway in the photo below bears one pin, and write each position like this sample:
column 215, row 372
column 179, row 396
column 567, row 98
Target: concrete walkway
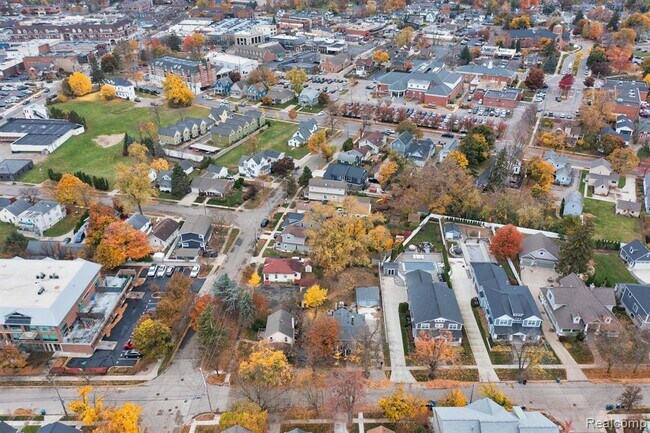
column 464, row 293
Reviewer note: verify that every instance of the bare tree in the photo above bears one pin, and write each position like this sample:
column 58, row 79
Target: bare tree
column 347, row 389
column 639, row 346
column 528, row 356
column 310, row 386
column 30, row 194
column 611, row 349
column 367, row 349
column 631, row 396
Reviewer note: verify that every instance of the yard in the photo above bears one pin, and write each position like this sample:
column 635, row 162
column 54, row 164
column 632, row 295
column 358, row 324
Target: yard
column 5, row 230
column 579, row 351
column 82, row 153
column 609, row 270
column 430, row 232
column 276, row 137
column 315, row 109
column 608, row 225
column 64, row 226
column 537, row 374
column 232, row 200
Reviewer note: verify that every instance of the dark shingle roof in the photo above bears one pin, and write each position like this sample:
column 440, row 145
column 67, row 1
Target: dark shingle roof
column 429, row 300
column 57, row 427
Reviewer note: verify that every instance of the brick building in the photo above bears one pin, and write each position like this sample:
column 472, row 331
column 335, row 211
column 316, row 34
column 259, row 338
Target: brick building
column 83, row 32
column 197, row 74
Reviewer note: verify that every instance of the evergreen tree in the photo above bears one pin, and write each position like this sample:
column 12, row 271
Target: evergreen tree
column 173, row 42
column 125, row 144
column 222, row 284
column 292, row 186
column 518, row 46
column 210, row 333
column 579, row 17
column 499, row 173
column 96, row 73
column 246, row 307
column 180, row 182
column 577, row 251
column 465, row 56
column 613, row 21
column 303, row 180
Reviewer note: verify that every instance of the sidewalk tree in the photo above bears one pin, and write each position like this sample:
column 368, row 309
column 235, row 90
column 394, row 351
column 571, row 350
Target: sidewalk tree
column 244, row 414
column 200, row 304
column 317, row 145
column 434, row 351
column 347, row 389
column 80, row 84
column 542, row 174
column 322, row 338
column 400, row 406
column 134, row 184
column 67, row 189
column 125, row 419
column 293, row 114
column 304, row 178
column 611, row 349
column 86, row 411
column 577, row 251
column 264, row 375
column 409, row 126
column 623, row 160
column 176, row 91
column 506, row 242
column 297, row 78
column 492, row 392
column 211, row 331
column 107, row 92
column 314, row 297
column 631, row 397
column 453, row 398
column 175, row 301
column 310, row 385
column 535, row 79
column 367, row 348
column 152, row 338
column 119, row 243
column 528, row 357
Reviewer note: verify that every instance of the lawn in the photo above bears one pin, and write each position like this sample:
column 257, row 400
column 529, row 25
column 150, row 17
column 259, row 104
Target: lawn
column 275, row 137
column 6, row 229
column 30, row 429
column 643, row 153
column 545, row 374
column 430, row 232
column 579, row 351
column 312, row 428
column 610, row 270
column 315, row 109
column 608, row 225
column 64, row 226
column 104, row 118
column 233, row 200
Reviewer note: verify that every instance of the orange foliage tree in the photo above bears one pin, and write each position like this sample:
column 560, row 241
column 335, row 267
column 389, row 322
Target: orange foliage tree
column 121, row 242
column 322, row 339
column 200, row 304
column 506, row 242
column 99, row 217
column 434, row 350
column 619, row 58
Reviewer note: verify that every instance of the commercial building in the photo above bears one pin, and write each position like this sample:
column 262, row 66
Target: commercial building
column 12, row 169
column 83, row 31
column 239, row 64
column 37, row 135
column 197, row 74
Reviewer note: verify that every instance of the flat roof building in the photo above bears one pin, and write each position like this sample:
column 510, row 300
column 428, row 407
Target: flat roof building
column 37, row 135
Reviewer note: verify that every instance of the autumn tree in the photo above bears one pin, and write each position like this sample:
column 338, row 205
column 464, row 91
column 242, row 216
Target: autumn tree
column 176, row 91
column 107, row 92
column 263, row 75
column 380, row 57
column 578, row 249
column 521, row 22
column 400, row 406
column 310, row 385
column 263, row 375
column 386, row 172
column 11, row 357
column 624, row 37
column 596, row 110
column 495, row 394
column 293, row 114
column 134, row 184
column 409, row 126
column 87, row 411
column 528, row 357
column 193, row 43
column 245, row 414
column 322, row 338
column 566, row 82
column 68, row 189
column 639, row 22
column 314, row 297
column 200, row 304
column 459, row 158
column 623, row 160
column 297, row 77
column 110, row 63
column 139, row 152
column 80, row 84
column 553, row 139
column 120, row 242
column 317, row 144
column 124, row 419
column 619, row 58
column 100, row 216
column 542, row 174
column 347, row 389
column 152, row 338
column 453, row 398
column 404, row 37
column 535, row 79
column 175, row 301
column 434, row 351
column 475, row 148
column 506, row 242
column 159, row 164
column 394, row 5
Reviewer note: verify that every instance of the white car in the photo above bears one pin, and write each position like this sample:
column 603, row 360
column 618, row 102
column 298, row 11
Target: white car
column 321, row 113
column 161, row 271
column 195, row 271
column 152, row 271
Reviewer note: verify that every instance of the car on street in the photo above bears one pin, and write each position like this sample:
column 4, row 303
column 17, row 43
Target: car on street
column 132, row 354
column 195, row 271
column 265, row 222
column 152, row 271
column 161, row 271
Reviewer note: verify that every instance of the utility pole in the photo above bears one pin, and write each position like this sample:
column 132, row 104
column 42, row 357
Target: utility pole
column 205, row 385
column 56, row 389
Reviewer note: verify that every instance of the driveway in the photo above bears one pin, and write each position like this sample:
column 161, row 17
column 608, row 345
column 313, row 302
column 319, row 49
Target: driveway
column 393, row 292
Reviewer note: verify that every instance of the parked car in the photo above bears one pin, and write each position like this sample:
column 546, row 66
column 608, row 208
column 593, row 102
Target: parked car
column 128, row 345
column 170, row 271
column 132, row 354
column 152, row 271
column 195, row 271
column 161, row 271
column 265, row 222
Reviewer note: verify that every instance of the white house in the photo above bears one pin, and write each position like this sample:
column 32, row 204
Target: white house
column 10, row 213
column 281, row 270
column 306, row 129
column 163, row 234
column 123, row 88
column 320, row 189
column 280, row 328
column 242, row 65
column 140, row 222
column 41, row 217
column 258, row 165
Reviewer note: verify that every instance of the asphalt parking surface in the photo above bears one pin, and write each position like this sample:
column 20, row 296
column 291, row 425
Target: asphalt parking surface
column 122, row 331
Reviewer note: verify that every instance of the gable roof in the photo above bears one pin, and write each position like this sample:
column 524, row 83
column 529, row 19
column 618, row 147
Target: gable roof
column 635, row 251
column 6, row 428
column 236, row 429
column 281, row 266
column 429, row 300
column 581, row 301
column 537, row 242
column 137, row 221
column 200, row 224
column 641, row 293
column 600, row 162
column 349, row 173
column 351, row 323
column 280, row 321
column 165, row 228
column 18, row 207
column 367, row 295
column 57, row 427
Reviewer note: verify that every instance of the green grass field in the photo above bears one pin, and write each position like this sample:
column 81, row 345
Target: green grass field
column 64, row 226
column 275, row 137
column 104, row 118
column 608, row 225
column 609, row 270
column 5, row 230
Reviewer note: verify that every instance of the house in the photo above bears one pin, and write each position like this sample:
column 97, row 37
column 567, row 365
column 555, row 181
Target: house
column 164, row 180
column 448, row 147
column 452, row 231
column 292, row 239
column 367, row 298
column 206, row 184
column 564, row 175
column 560, row 163
column 280, row 96
column 124, row 89
column 172, row 135
column 6, row 428
column 629, row 208
column 350, row 157
column 308, row 97
column 352, row 325
column 163, row 234
column 217, row 171
column 335, row 64
column 41, row 216
column 293, row 218
column 12, row 169
column 9, row 214
column 434, row 308
column 356, row 177
column 572, row 204
column 486, row 416
column 58, row 250
column 627, row 94
column 195, row 232
column 602, row 177
column 258, row 165
column 255, row 92
column 326, row 190
column 223, row 85
column 140, row 222
column 306, row 129
column 237, row 89
column 219, row 114
column 281, row 270
column 539, row 250
column 510, row 310
column 635, row 298
column 187, row 166
column 374, row 140
column 58, row 427
column 624, row 128
column 573, row 307
column 636, row 255
column 527, row 38
column 479, row 73
column 280, row 328
column 416, row 151
column 401, row 143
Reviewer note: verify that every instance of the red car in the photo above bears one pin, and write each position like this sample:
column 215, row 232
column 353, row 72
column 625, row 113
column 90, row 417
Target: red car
column 128, row 345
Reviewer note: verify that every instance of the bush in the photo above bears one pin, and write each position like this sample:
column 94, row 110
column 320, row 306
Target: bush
column 250, row 193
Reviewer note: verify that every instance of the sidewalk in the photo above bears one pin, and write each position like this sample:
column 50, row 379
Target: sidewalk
column 143, row 376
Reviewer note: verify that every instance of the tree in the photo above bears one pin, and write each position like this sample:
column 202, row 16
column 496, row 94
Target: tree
column 314, row 297
column 386, row 172
column 453, row 398
column 100, row 216
column 645, row 66
column 608, row 143
column 121, row 242
column 96, row 73
column 535, row 79
column 400, row 406
column 623, row 160
column 134, row 184
column 245, row 414
column 434, row 350
column 577, row 251
column 86, row 411
column 176, row 91
column 14, row 245
column 80, row 84
column 152, row 338
column 297, row 77
column 323, row 99
column 310, row 385
column 631, row 396
column 107, row 92
column 322, row 338
column 212, row 332
column 612, row 24
column 404, row 37
column 254, row 280
column 542, row 173
column 459, row 158
column 595, row 110
column 589, row 81
column 159, row 164
column 348, row 144
column 637, row 21
column 125, row 419
column 292, row 187
column 193, row 43
column 394, row 5
column 506, row 242
column 611, row 349
column 200, row 304
column 317, row 144
column 624, row 38
column 409, row 126
column 263, row 375
column 67, row 189
column 346, row 390
column 228, row 291
column 492, row 392
column 293, row 114
column 180, row 182
column 521, row 22
column 263, row 75
column 566, row 83
column 465, row 56
column 475, row 148
column 11, row 357
column 619, row 58
column 175, row 301
column 528, row 356
column 304, row 178
column 380, row 57
column 283, row 167
column 139, row 152
column 110, row 63
column 500, row 170
column 173, row 42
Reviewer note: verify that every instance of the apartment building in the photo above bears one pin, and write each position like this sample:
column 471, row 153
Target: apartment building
column 197, row 74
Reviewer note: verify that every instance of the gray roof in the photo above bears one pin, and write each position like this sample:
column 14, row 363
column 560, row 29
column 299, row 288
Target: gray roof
column 43, row 206
column 216, row 169
column 475, row 69
column 6, row 428
column 178, row 65
column 555, row 158
column 309, row 93
column 280, row 321
column 39, row 132
column 451, row 227
column 18, row 207
column 506, row 93
column 429, row 300
column 590, row 304
column 641, row 292
column 206, row 182
column 236, row 429
column 537, row 242
column 43, row 249
column 137, row 221
column 4, row 202
column 118, row 81
column 572, row 280
column 628, row 205
column 635, row 250
column 200, row 224
column 57, row 427
column 367, row 296
column 573, row 203
column 185, row 164
column 351, row 323
column 327, row 183
column 349, row 173
column 11, row 166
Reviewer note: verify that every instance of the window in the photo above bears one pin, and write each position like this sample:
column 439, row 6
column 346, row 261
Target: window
column 425, row 326
column 635, row 308
column 439, row 325
column 453, row 326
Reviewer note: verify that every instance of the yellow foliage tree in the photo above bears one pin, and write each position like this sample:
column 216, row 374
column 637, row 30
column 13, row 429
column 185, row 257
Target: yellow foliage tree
column 67, row 189
column 623, row 160
column 459, row 157
column 386, row 172
column 125, row 419
column 381, row 57
column 245, row 414
column 107, row 92
column 400, row 406
column 80, row 84
column 86, row 411
column 542, row 173
column 453, row 398
column 134, row 184
column 139, row 152
column 555, row 140
column 314, row 296
column 297, row 77
column 267, row 366
column 492, row 392
column 254, row 280
column 159, row 164
column 176, row 91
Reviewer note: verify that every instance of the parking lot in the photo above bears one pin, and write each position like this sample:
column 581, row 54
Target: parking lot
column 138, row 303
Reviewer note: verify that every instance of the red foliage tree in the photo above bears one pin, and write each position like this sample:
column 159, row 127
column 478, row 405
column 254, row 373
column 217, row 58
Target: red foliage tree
column 506, row 242
column 535, row 79
column 566, row 83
